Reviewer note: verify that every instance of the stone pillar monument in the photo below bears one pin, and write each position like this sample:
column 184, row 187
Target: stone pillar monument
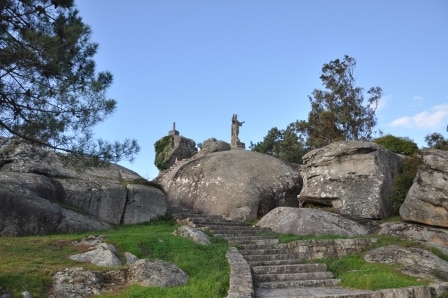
column 173, row 132
column 235, row 141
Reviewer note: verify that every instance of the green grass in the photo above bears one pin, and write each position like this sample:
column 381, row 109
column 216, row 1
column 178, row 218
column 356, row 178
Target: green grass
column 354, row 272
column 29, row 263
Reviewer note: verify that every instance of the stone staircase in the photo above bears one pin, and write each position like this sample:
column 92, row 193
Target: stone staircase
column 271, row 265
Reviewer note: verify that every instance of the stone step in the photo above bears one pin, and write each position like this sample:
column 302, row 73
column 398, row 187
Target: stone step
column 212, row 221
column 293, row 276
column 237, row 227
column 180, row 211
column 274, row 262
column 237, row 236
column 299, row 283
column 291, row 268
column 264, row 251
column 262, row 258
column 201, row 218
column 259, row 241
column 255, row 246
column 236, row 232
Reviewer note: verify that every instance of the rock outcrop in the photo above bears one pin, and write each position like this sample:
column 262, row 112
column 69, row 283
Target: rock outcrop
column 213, row 145
column 156, row 274
column 307, row 221
column 427, row 235
column 172, row 148
column 415, row 262
column 193, row 234
column 81, row 282
column 45, row 192
column 103, row 255
column 236, row 184
column 427, row 199
column 353, row 177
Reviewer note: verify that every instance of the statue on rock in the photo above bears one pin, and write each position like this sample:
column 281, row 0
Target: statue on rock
column 235, row 141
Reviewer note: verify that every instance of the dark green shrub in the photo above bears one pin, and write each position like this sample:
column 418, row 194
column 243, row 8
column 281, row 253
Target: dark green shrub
column 437, row 141
column 398, row 145
column 403, row 181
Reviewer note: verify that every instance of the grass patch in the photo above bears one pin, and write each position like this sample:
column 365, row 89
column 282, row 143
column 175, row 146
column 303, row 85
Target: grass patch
column 29, row 263
column 356, row 273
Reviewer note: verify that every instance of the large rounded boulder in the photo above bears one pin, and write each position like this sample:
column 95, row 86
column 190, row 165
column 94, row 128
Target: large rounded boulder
column 236, row 184
column 307, row 221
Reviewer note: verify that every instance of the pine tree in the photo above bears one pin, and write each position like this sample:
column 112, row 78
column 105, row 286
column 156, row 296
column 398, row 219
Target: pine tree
column 50, row 92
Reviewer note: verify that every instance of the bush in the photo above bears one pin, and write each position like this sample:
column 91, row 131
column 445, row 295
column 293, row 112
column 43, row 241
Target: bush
column 403, row 181
column 161, row 151
column 437, row 141
column 398, row 145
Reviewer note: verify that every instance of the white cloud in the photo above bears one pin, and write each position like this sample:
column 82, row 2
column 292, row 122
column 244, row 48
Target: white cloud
column 429, row 120
column 416, row 97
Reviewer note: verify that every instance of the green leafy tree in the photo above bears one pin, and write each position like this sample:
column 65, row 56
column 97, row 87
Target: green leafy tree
column 284, row 144
column 399, row 145
column 437, row 141
column 50, row 93
column 340, row 111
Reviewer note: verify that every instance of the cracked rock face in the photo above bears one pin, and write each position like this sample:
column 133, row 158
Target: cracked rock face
column 354, row 177
column 427, row 199
column 236, row 184
column 44, row 193
column 80, row 282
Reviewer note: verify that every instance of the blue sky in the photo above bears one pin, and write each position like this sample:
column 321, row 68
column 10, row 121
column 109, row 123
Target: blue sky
column 197, row 63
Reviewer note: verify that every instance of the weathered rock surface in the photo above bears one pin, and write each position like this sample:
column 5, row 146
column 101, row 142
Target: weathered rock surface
column 79, row 282
column 43, row 192
column 24, row 212
column 354, row 177
column 436, row 237
column 237, row 184
column 130, row 258
column 4, row 293
column 427, row 199
column 90, row 242
column 193, row 234
column 213, row 145
column 156, row 274
column 306, row 221
column 174, row 147
column 103, row 255
column 143, row 204
column 416, row 262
